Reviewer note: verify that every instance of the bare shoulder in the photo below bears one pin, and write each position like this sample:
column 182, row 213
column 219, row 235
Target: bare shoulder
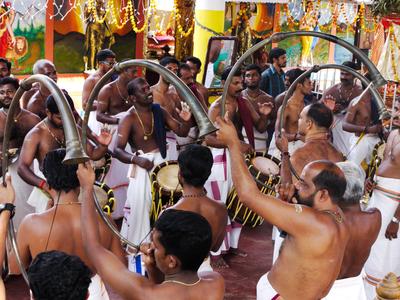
column 214, row 277
column 264, row 97
column 27, row 114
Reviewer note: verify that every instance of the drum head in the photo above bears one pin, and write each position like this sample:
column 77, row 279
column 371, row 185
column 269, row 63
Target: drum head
column 265, row 165
column 167, row 178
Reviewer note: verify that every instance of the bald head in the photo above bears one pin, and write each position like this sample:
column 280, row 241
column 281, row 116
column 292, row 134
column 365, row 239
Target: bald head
column 45, row 67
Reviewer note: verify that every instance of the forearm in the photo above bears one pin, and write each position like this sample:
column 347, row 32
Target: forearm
column 212, row 141
column 124, row 156
column 155, row 275
column 28, row 176
column 98, row 152
column 397, row 212
column 183, row 128
column 352, row 127
column 262, row 123
column 286, row 176
column 4, row 219
column 105, row 118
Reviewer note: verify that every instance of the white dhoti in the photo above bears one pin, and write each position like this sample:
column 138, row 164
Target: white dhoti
column 38, row 199
column 260, row 139
column 136, row 223
column 265, row 291
column 385, row 253
column 172, row 151
column 348, row 288
column 361, row 148
column 340, row 138
column 218, row 186
column 277, row 244
column 275, row 152
column 205, row 266
column 97, row 289
column 93, row 124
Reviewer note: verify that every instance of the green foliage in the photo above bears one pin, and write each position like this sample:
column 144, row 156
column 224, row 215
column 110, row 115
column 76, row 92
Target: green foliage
column 385, row 7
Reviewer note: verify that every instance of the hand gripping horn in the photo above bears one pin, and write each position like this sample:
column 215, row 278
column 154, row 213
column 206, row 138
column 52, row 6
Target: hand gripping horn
column 377, row 77
column 383, row 113
column 202, row 120
column 74, row 151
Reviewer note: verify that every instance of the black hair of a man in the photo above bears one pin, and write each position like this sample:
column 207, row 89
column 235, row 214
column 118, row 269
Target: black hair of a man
column 183, row 66
column 253, row 67
column 59, row 176
column 226, row 72
column 10, row 80
column 276, row 53
column 168, row 60
column 194, row 60
column 186, row 235
column 351, row 64
column 132, row 85
column 56, row 275
column 292, row 74
column 321, row 115
column 51, row 103
column 103, row 54
column 332, row 179
column 195, row 163
column 7, row 62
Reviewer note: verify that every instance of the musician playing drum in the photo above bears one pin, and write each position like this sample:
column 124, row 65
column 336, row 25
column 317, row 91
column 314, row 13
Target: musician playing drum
column 23, row 122
column 143, row 127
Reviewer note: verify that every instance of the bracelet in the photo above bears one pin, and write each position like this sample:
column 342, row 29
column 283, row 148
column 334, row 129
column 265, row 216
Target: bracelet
column 395, row 220
column 42, row 184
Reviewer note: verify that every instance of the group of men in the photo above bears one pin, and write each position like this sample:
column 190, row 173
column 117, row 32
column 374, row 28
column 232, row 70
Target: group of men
column 328, row 246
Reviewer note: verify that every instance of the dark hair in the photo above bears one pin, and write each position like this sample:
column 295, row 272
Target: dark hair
column 168, row 60
column 195, row 163
column 103, row 54
column 226, row 72
column 51, row 104
column 292, row 74
column 132, row 85
column 253, row 67
column 194, row 60
column 298, row 73
column 183, row 66
column 186, row 235
column 276, row 53
column 56, row 275
column 351, row 64
column 321, row 115
column 59, row 176
column 331, row 178
column 7, row 62
column 10, row 80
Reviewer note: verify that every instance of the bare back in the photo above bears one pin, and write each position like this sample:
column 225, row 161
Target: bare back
column 214, row 212
column 37, row 104
column 363, row 228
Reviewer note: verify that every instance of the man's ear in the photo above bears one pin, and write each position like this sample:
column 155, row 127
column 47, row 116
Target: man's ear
column 173, row 262
column 323, row 195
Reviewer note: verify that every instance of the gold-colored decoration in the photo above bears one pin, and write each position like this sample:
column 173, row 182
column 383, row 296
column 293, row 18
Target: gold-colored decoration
column 184, row 24
column 388, row 288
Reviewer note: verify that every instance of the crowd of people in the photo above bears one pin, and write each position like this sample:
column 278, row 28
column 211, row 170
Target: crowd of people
column 335, row 218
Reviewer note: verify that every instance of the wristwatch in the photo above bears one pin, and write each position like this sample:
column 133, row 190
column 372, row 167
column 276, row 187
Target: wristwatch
column 8, row 206
column 395, row 220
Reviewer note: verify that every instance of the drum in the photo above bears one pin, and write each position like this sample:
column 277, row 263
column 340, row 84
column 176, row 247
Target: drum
column 165, row 187
column 102, row 166
column 105, row 196
column 376, row 159
column 265, row 170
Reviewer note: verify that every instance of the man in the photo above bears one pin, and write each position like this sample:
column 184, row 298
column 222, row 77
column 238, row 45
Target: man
column 290, row 118
column 35, row 100
column 338, row 98
column 256, row 96
column 143, row 127
column 180, row 242
column 195, row 65
column 44, row 137
column 165, row 95
column 57, row 275
column 272, row 79
column 219, row 183
column 24, row 121
column 105, row 61
column 385, row 253
column 60, row 228
column 317, row 233
column 5, row 67
column 363, row 228
column 195, row 164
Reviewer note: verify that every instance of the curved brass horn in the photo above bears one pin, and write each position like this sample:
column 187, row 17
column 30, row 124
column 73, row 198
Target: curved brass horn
column 202, row 120
column 383, row 113
column 377, row 77
column 74, row 150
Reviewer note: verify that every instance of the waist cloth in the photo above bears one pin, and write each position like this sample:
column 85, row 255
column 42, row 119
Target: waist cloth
column 351, row 288
column 265, row 291
column 97, row 289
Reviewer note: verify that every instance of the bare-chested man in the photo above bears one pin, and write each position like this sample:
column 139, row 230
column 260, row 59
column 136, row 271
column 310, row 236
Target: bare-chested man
column 313, row 251
column 256, row 96
column 290, row 77
column 180, row 241
column 44, row 137
column 195, row 65
column 60, row 228
column 195, row 164
column 337, row 98
column 219, row 183
column 385, row 254
column 143, row 128
column 36, row 103
column 363, row 228
column 186, row 75
column 291, row 116
column 23, row 122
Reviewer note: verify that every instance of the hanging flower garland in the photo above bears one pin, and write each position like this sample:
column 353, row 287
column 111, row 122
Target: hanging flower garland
column 178, row 18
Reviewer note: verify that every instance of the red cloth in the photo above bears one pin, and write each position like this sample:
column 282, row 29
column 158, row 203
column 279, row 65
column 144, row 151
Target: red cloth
column 247, row 122
column 387, row 21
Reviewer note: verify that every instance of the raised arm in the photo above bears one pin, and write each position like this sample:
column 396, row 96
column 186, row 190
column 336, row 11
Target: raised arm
column 88, row 86
column 180, row 128
column 103, row 105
